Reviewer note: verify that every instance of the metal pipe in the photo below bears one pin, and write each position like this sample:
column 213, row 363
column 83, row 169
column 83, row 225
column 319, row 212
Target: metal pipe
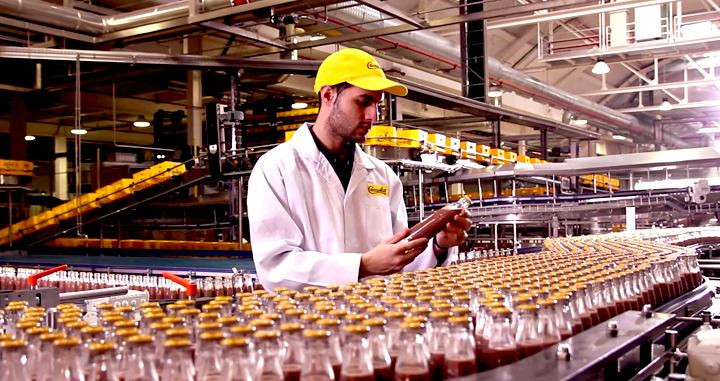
column 93, row 294
column 446, row 52
column 78, row 20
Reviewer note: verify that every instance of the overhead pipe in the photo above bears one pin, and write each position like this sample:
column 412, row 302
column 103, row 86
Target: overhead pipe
column 78, row 20
column 448, row 53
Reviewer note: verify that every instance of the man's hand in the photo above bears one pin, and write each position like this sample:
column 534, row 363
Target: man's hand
column 392, row 255
column 455, row 231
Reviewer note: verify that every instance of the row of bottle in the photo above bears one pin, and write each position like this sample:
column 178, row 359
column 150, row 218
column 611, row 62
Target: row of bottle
column 517, row 305
column 328, row 349
column 157, row 286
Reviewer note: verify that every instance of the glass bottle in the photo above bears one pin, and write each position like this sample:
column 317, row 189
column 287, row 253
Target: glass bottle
column 317, row 365
column 394, row 333
column 357, row 356
column 334, row 349
column 141, row 360
column 178, row 363
column 412, row 361
column 238, row 360
column 460, row 349
column 293, row 349
column 14, row 366
column 208, row 356
column 438, row 342
column 381, row 362
column 67, row 363
column 103, row 365
column 547, row 322
column 564, row 316
column 501, row 348
column 436, row 222
column 269, row 361
column 528, row 336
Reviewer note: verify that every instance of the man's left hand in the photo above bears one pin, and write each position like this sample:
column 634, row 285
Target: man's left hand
column 455, row 231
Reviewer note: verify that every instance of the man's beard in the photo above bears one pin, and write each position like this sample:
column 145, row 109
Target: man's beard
column 340, row 127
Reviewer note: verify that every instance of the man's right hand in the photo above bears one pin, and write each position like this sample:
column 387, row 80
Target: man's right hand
column 392, row 255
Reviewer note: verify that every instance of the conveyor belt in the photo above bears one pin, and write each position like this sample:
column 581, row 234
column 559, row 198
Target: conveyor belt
column 100, row 263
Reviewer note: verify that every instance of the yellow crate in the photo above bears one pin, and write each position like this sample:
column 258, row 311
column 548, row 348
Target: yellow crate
column 42, row 220
column 535, row 160
column 65, row 211
column 288, row 127
column 510, row 156
column 289, row 135
column 115, row 191
column 615, row 183
column 439, row 143
column 468, row 150
column 381, row 135
column 523, row 159
column 301, row 112
column 483, row 150
column 168, row 168
column 454, row 144
column 108, row 243
column 411, row 138
column 86, row 202
column 16, row 165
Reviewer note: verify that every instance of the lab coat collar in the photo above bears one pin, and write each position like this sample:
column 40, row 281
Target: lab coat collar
column 303, row 142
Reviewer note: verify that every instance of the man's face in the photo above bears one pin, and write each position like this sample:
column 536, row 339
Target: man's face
column 353, row 113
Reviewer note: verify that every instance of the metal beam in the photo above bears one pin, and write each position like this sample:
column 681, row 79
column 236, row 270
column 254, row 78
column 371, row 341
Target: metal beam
column 661, row 86
column 308, row 67
column 452, row 20
column 392, row 11
column 680, row 106
column 242, row 33
column 46, row 30
column 242, row 8
column 573, row 13
column 435, row 97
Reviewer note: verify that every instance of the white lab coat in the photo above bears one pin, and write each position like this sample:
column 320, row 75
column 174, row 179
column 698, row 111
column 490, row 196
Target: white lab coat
column 306, row 230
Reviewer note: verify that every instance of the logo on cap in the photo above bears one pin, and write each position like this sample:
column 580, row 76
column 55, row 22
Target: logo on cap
column 372, row 66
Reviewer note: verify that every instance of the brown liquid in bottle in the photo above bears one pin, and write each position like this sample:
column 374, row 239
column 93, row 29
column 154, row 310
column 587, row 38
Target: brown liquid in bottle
column 577, row 327
column 436, row 365
column 586, row 321
column 336, row 370
column 603, row 313
column 529, row 349
column 383, row 373
column 409, row 374
column 615, row 308
column 433, row 224
column 357, row 377
column 595, row 317
column 629, row 304
column 493, row 358
column 564, row 335
column 459, row 367
column 291, row 372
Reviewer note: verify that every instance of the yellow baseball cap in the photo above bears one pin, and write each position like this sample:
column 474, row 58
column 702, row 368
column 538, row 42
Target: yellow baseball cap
column 357, row 68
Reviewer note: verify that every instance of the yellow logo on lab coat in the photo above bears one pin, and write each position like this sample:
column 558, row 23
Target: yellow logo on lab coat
column 378, row 190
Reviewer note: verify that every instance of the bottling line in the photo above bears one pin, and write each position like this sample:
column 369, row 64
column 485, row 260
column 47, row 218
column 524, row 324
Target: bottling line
column 616, row 306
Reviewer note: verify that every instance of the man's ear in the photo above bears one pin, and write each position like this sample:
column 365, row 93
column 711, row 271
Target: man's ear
column 327, row 94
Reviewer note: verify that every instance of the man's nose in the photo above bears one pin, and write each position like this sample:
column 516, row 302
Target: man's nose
column 371, row 113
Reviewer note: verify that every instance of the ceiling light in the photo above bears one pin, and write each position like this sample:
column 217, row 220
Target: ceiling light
column 580, row 122
column 299, row 105
column 78, row 131
column 709, row 130
column 665, row 105
column 495, row 92
column 317, row 37
column 601, row 67
column 29, row 138
column 141, row 122
column 619, row 137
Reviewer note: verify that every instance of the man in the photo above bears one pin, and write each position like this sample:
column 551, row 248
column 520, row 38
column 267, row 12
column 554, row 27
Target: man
column 324, row 212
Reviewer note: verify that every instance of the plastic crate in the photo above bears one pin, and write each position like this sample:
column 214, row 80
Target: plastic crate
column 65, row 211
column 381, row 135
column 411, row 138
column 115, row 191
